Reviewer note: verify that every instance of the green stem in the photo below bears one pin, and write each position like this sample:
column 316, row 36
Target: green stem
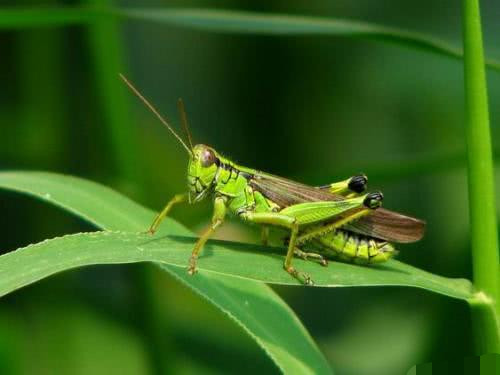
column 108, row 59
column 483, row 221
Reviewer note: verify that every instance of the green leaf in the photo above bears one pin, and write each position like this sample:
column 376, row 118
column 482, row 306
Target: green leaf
column 35, row 262
column 253, row 306
column 228, row 21
column 108, row 209
column 21, row 18
column 481, row 186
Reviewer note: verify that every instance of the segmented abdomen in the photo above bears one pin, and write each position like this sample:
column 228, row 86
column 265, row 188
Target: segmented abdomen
column 353, row 247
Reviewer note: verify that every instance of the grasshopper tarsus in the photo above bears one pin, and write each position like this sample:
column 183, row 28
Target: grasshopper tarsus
column 306, row 279
column 192, row 265
column 310, row 256
column 302, row 277
column 149, row 232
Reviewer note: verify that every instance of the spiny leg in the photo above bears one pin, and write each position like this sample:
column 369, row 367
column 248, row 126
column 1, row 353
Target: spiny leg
column 307, row 255
column 310, row 256
column 217, row 219
column 306, row 213
column 351, row 187
column 289, row 222
column 301, row 276
column 179, row 198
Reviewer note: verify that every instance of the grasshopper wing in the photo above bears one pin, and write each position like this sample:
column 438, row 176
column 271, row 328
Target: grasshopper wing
column 286, row 193
column 382, row 224
column 389, row 226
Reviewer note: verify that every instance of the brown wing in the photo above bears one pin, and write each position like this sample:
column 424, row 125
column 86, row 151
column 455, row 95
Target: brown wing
column 382, row 224
column 286, row 193
column 389, row 226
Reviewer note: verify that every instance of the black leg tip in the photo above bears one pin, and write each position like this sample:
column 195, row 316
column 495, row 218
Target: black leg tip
column 374, row 200
column 358, row 183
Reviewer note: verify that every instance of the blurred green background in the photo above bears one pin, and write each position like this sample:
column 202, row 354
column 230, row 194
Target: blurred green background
column 310, row 108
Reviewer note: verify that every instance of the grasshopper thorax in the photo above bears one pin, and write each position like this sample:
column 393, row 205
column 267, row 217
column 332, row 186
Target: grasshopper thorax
column 202, row 169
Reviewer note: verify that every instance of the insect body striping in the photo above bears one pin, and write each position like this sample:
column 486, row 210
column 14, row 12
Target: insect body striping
column 352, row 247
column 242, row 195
column 232, row 182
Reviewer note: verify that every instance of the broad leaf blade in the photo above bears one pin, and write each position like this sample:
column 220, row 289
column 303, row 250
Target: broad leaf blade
column 269, row 321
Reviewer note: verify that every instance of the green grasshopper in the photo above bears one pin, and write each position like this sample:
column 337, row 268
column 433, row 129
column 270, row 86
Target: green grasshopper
column 338, row 220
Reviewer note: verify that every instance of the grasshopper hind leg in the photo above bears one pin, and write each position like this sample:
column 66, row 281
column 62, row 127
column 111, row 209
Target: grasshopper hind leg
column 307, row 255
column 288, row 222
column 352, row 187
column 303, row 277
column 310, row 256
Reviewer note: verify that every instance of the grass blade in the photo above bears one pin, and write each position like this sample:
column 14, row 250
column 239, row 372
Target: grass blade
column 481, row 178
column 227, row 21
column 101, row 206
column 18, row 18
column 107, row 53
column 266, row 318
column 35, row 262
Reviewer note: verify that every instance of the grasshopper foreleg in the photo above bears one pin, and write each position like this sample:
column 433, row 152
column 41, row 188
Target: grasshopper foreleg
column 217, row 219
column 179, row 198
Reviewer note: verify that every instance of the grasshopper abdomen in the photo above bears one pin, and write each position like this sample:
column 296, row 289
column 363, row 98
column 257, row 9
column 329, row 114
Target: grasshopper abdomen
column 353, row 247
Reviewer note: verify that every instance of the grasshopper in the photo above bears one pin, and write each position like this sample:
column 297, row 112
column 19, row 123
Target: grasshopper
column 337, row 220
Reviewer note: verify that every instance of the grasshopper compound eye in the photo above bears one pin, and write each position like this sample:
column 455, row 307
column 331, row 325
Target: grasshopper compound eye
column 207, row 158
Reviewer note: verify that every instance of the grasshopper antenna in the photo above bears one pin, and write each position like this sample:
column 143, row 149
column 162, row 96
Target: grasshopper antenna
column 153, row 109
column 185, row 124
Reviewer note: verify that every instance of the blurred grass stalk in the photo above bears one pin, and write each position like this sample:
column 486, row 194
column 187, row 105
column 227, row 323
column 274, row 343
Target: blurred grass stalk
column 108, row 56
column 107, row 53
column 485, row 307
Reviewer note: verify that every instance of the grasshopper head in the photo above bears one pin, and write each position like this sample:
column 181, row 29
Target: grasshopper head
column 202, row 169
column 203, row 160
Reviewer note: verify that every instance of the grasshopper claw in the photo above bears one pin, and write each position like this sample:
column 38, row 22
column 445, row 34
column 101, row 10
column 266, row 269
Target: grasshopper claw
column 308, row 281
column 303, row 277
